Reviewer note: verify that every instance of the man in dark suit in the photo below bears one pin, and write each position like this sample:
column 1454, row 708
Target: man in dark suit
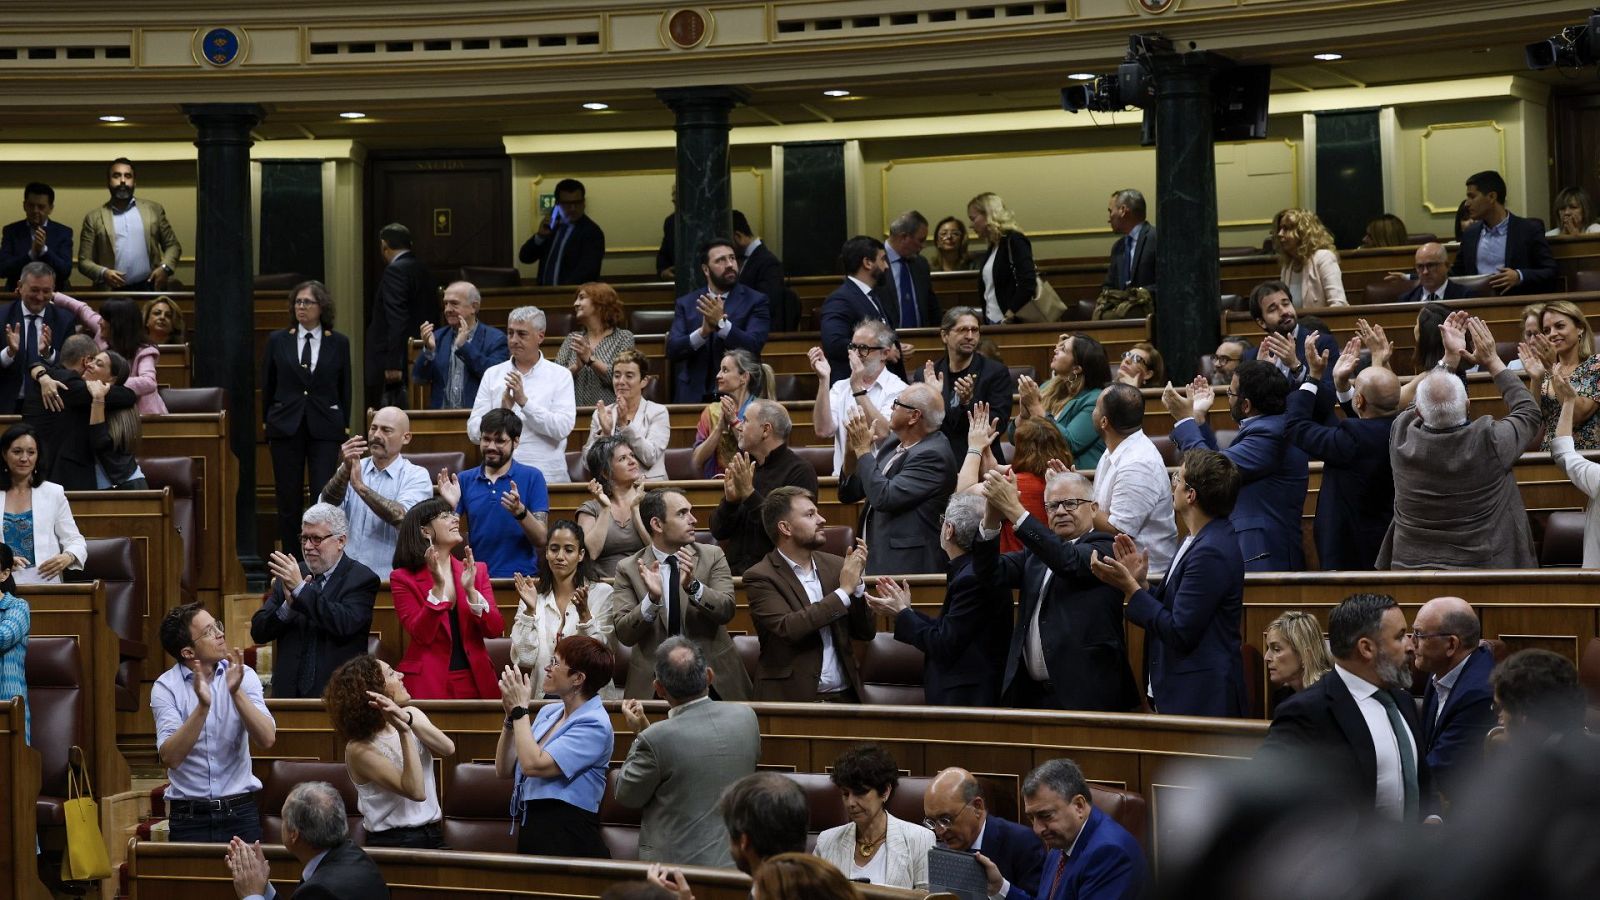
column 318, row 611
column 34, row 328
column 1283, row 345
column 763, row 464
column 1091, row 855
column 959, row 817
column 1510, row 249
column 316, row 831
column 1433, row 277
column 1133, row 256
column 406, row 298
column 667, row 252
column 904, row 483
column 1275, row 473
column 66, row 453
column 1191, row 622
column 762, row 271
column 965, row 646
column 470, row 348
column 854, row 301
column 1357, row 726
column 808, row 606
column 706, row 324
column 1067, row 650
column 1458, row 707
column 36, row 238
column 1357, row 497
column 964, row 377
column 905, row 288
column 568, row 246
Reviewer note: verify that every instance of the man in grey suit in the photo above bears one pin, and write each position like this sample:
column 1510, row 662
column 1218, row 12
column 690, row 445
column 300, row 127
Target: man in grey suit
column 905, row 483
column 678, row 768
column 907, row 285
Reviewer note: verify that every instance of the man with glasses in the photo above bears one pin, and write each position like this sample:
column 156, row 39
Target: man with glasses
column 963, row 376
column 1433, row 277
column 319, row 611
column 1226, row 358
column 905, row 482
column 1067, row 649
column 1458, row 707
column 870, row 390
column 208, row 708
column 960, row 820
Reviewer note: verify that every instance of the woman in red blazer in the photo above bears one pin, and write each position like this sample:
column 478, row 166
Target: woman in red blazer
column 446, row 607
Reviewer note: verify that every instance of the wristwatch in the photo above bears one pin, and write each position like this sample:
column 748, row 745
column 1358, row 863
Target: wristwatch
column 692, row 587
column 167, row 267
column 516, row 714
column 858, row 394
column 523, row 515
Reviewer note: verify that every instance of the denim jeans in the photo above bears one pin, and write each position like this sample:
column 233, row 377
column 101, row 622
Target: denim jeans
column 217, row 827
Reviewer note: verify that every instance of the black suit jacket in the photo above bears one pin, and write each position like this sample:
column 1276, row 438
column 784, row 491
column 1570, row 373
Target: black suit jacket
column 580, row 260
column 406, row 298
column 1454, row 743
column 320, row 397
column 965, row 645
column 15, row 376
column 1015, row 850
column 1321, row 729
column 992, row 382
column 1526, row 250
column 66, row 446
column 345, row 873
column 921, row 282
column 17, row 239
column 667, row 253
column 762, row 272
column 1080, row 625
column 1015, row 278
column 1357, row 497
column 1143, row 272
column 325, row 627
column 1450, row 291
column 844, row 308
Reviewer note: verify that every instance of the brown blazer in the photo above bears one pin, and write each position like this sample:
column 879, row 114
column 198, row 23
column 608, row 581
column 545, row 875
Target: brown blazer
column 790, row 627
column 706, row 624
column 96, row 253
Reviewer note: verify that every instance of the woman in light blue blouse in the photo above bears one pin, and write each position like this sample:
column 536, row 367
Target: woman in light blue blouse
column 15, row 623
column 560, row 754
column 1078, row 372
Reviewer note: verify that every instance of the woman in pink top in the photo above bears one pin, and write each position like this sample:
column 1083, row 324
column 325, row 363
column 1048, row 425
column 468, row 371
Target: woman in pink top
column 119, row 326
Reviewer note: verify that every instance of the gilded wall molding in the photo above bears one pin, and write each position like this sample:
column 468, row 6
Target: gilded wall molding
column 1458, row 173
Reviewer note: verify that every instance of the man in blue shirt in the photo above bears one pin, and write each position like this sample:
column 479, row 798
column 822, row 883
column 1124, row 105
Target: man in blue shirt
column 376, row 487
column 506, row 503
column 1509, row 249
column 208, row 708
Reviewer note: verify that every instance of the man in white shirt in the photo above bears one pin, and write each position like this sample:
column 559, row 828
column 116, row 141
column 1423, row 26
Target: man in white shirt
column 538, row 390
column 376, row 491
column 871, row 387
column 1132, row 490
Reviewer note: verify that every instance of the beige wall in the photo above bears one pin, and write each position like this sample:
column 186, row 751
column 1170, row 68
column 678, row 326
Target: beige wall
column 1441, row 144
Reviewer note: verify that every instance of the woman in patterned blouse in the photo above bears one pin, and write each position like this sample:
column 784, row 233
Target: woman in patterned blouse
column 1566, row 347
column 595, row 340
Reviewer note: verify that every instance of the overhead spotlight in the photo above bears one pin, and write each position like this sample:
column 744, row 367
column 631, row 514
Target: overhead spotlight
column 352, row 115
column 113, row 118
column 836, row 93
column 1081, row 76
column 596, row 105
column 1328, row 57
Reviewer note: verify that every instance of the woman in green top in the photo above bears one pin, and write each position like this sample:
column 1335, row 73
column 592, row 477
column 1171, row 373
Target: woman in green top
column 1078, row 370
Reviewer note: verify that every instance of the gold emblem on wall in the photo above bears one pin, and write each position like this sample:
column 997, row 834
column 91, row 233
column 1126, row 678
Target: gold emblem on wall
column 1155, row 7
column 687, row 28
column 441, row 223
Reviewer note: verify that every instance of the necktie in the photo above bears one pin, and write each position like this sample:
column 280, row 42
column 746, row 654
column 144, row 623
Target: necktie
column 908, row 294
column 305, row 353
column 1408, row 763
column 556, row 252
column 1055, row 880
column 306, row 677
column 30, row 341
column 894, row 457
column 1432, row 297
column 877, row 307
column 674, row 604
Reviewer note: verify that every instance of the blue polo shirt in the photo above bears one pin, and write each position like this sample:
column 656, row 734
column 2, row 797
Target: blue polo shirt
column 497, row 539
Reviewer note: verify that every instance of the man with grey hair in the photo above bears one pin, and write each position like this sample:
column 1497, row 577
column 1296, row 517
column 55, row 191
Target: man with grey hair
column 870, row 390
column 965, row 646
column 316, row 831
column 1133, row 256
column 1458, row 706
column 318, row 611
column 1456, row 502
column 904, row 482
column 964, row 377
column 470, row 347
column 766, row 814
column 1090, row 854
column 406, row 298
column 537, row 389
column 907, row 286
column 678, row 767
column 764, row 463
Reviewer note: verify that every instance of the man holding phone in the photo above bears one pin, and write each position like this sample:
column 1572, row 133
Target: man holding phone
column 568, row 245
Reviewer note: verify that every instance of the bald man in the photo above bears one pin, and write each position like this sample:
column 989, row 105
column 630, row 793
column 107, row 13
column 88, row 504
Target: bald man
column 1357, row 497
column 1433, row 277
column 1457, row 710
column 375, row 486
column 960, row 820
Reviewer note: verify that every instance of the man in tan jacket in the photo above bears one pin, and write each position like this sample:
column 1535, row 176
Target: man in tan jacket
column 127, row 245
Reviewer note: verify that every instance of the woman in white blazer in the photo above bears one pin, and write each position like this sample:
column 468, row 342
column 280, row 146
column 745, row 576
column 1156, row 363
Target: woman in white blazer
column 644, row 422
column 1310, row 264
column 38, row 524
column 874, row 846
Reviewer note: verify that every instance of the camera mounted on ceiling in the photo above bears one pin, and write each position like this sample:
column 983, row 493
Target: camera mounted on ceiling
column 1575, row 47
column 1238, row 92
column 1132, row 85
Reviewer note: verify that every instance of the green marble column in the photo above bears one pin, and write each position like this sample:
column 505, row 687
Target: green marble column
column 705, row 197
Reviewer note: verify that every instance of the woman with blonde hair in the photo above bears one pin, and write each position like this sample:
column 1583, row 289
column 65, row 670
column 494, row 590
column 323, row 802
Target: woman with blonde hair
column 1006, row 277
column 1296, row 654
column 1142, row 366
column 597, row 337
column 1565, row 349
column 800, row 876
column 163, row 321
column 1387, row 230
column 741, row 379
column 1310, row 264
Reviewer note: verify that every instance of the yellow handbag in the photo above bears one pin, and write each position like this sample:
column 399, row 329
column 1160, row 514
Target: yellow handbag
column 85, row 858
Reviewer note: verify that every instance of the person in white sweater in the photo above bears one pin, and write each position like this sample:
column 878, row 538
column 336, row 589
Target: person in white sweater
column 1580, row 471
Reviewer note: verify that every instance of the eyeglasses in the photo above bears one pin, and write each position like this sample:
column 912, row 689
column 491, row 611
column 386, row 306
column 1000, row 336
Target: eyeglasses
column 1420, row 636
column 311, row 540
column 211, row 631
column 1429, row 265
column 941, row 823
column 1135, row 356
column 1223, row 358
column 863, row 349
column 1178, row 482
column 1051, row 506
column 907, row 407
column 305, row 301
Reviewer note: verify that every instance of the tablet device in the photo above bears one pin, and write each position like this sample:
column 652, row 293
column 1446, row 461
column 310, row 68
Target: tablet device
column 957, row 872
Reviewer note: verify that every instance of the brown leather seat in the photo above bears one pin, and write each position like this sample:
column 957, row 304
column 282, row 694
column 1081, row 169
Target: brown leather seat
column 181, row 474
column 476, row 807
column 621, row 655
column 1128, row 808
column 823, row 800
column 1168, row 448
column 749, row 647
column 1232, row 303
column 795, row 387
column 820, row 458
column 453, row 461
column 576, row 470
column 1422, row 237
column 891, row 672
column 650, row 321
column 1225, row 252
column 680, row 464
column 619, row 825
column 1585, row 280
column 491, row 276
column 499, row 650
column 838, row 539
column 281, row 777
column 1018, row 371
column 1563, row 539
column 54, row 672
column 115, row 564
column 1385, row 291
column 557, row 322
column 1079, row 311
column 1254, row 668
column 277, row 281
column 194, row 399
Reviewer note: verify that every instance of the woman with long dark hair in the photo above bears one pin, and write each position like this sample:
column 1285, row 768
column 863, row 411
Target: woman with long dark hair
column 1078, row 372
column 119, row 326
column 561, row 599
column 612, row 529
column 114, row 434
column 38, row 526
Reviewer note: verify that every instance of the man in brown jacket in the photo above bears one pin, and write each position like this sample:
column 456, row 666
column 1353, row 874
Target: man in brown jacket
column 807, row 606
column 127, row 244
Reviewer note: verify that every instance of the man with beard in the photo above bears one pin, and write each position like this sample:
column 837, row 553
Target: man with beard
column 1285, row 339
column 854, row 301
column 375, row 492
column 507, row 504
column 1357, row 726
column 127, row 245
column 963, row 377
column 763, row 464
column 726, row 316
column 870, row 392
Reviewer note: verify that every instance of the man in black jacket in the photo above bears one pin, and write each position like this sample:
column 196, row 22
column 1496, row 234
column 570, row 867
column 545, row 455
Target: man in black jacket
column 764, row 462
column 407, row 297
column 906, row 286
column 66, row 453
column 316, row 832
column 1133, row 256
column 1511, row 250
column 965, row 377
column 568, row 246
column 761, row 270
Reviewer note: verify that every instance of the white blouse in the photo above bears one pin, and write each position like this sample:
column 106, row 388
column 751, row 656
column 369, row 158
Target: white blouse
column 534, row 637
column 383, row 809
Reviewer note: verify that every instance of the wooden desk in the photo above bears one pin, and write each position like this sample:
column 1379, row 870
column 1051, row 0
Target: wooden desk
column 19, row 792
column 203, row 437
